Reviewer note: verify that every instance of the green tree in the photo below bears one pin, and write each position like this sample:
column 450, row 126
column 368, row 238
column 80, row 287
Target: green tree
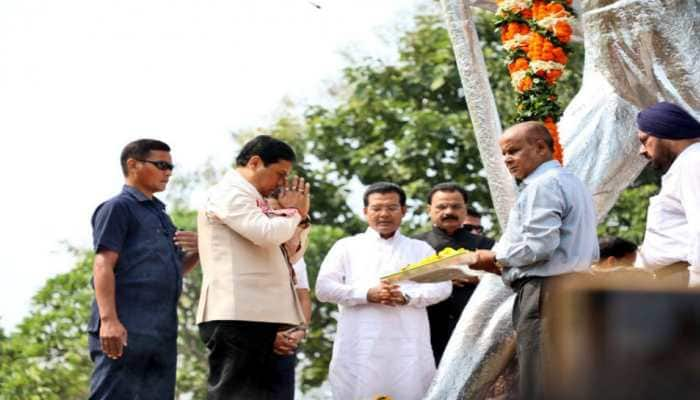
column 192, row 367
column 627, row 219
column 46, row 358
column 408, row 123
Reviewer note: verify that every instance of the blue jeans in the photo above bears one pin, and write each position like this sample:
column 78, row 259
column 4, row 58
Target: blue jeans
column 145, row 371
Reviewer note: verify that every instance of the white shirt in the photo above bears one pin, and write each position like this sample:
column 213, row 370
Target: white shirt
column 673, row 219
column 301, row 274
column 552, row 227
column 378, row 349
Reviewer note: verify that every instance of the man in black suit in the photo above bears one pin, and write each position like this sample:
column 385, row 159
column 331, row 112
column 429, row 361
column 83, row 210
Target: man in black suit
column 447, row 206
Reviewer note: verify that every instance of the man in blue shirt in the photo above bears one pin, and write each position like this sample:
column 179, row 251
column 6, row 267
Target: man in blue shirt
column 137, row 275
column 551, row 232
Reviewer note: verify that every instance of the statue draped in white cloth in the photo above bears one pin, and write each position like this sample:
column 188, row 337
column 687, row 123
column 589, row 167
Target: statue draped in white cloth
column 637, row 52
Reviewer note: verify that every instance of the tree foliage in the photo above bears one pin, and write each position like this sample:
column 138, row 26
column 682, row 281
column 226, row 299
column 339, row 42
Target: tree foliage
column 47, row 358
column 408, row 122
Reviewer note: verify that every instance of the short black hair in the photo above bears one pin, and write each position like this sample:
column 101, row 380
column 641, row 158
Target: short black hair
column 613, row 246
column 384, row 187
column 447, row 187
column 269, row 149
column 472, row 211
column 140, row 150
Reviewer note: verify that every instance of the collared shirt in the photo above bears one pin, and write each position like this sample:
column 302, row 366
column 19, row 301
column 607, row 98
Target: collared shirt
column 673, row 219
column 444, row 315
column 552, row 227
column 148, row 274
column 378, row 349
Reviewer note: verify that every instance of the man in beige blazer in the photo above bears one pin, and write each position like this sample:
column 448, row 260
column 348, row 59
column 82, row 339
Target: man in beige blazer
column 247, row 288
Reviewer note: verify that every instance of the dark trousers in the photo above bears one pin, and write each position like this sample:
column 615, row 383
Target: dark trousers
column 283, row 377
column 443, row 318
column 145, row 371
column 240, row 358
column 532, row 334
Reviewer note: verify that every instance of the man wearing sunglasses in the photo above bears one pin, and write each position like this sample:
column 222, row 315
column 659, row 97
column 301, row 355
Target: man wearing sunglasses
column 137, row 275
column 447, row 207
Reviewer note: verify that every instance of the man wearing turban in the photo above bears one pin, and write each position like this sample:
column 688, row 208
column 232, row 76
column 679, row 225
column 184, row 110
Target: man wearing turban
column 670, row 139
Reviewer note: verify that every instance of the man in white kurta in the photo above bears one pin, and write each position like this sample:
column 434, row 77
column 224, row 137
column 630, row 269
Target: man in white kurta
column 670, row 139
column 382, row 344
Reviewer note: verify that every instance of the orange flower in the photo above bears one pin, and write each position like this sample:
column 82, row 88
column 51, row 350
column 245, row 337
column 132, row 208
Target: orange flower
column 525, row 84
column 552, row 128
column 535, row 46
column 553, row 16
column 562, row 30
column 511, row 29
column 560, row 56
column 539, row 48
column 520, row 64
column 552, row 76
column 539, row 9
column 555, row 9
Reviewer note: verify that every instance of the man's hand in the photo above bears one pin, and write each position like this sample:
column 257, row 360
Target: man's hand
column 287, row 342
column 296, row 194
column 398, row 298
column 386, row 293
column 486, row 261
column 470, row 280
column 113, row 337
column 187, row 241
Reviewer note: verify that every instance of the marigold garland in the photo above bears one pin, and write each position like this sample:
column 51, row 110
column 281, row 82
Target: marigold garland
column 535, row 34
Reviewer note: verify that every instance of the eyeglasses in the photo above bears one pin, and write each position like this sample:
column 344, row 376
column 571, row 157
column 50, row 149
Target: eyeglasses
column 473, row 228
column 161, row 165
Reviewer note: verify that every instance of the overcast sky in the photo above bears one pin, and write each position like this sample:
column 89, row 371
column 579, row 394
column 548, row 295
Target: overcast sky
column 81, row 78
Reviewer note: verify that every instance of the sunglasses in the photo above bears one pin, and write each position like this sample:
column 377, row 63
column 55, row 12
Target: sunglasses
column 473, row 228
column 161, row 165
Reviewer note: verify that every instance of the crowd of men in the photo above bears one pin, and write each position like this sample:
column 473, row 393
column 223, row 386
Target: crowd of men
column 255, row 303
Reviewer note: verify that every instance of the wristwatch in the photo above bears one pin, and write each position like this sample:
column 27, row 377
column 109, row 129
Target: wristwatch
column 407, row 297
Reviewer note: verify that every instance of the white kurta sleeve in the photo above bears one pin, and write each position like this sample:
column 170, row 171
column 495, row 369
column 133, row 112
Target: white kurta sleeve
column 690, row 201
column 331, row 283
column 301, row 273
column 425, row 294
column 240, row 212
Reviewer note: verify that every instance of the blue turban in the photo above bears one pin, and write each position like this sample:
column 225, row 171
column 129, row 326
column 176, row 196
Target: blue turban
column 668, row 121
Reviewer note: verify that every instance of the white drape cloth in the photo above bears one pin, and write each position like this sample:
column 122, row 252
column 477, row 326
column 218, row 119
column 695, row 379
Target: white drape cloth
column 673, row 220
column 378, row 349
